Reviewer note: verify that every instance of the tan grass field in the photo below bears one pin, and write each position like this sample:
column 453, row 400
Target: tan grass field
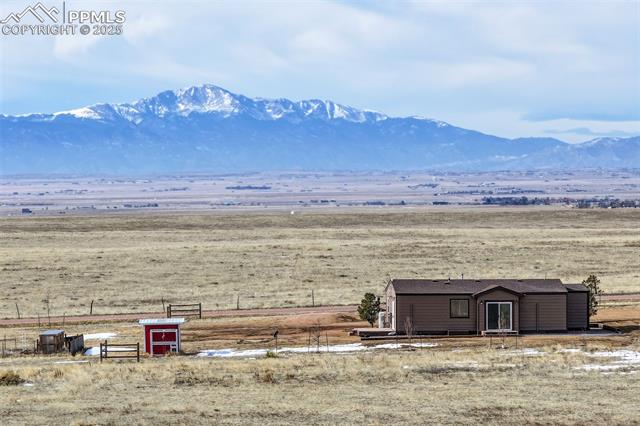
column 431, row 385
column 130, row 262
column 463, row 380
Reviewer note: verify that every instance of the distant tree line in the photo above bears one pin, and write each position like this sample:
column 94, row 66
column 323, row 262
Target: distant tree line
column 582, row 203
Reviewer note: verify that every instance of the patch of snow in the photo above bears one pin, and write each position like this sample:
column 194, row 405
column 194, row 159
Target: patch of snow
column 80, row 113
column 600, row 367
column 626, row 356
column 345, row 348
column 525, row 352
column 95, row 350
column 73, row 362
column 29, row 385
column 570, row 350
column 625, row 359
column 232, row 353
column 99, row 336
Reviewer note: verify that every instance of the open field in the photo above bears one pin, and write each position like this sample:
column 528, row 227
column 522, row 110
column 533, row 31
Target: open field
column 462, row 380
column 128, row 263
column 430, row 385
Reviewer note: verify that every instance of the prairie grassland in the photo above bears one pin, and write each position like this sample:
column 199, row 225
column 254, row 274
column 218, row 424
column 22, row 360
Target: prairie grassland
column 467, row 386
column 130, row 262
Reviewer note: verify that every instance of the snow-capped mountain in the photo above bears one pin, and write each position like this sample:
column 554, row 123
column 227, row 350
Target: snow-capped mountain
column 209, row 129
column 212, row 99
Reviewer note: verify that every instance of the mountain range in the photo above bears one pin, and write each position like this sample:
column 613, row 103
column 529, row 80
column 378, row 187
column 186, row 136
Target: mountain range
column 209, row 129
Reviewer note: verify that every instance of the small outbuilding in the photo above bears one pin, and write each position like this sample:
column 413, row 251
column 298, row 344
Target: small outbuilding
column 51, row 341
column 161, row 335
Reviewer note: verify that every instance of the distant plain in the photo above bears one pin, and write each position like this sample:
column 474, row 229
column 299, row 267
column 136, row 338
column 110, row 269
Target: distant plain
column 131, row 262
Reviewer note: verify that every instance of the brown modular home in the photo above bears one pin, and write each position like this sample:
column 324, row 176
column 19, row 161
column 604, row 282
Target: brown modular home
column 486, row 306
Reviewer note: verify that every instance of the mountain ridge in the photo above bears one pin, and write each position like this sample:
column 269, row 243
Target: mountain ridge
column 210, row 129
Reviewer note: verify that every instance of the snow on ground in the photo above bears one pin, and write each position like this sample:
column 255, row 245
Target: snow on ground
column 99, row 336
column 625, row 359
column 525, row 352
column 95, row 350
column 346, row 348
column 570, row 350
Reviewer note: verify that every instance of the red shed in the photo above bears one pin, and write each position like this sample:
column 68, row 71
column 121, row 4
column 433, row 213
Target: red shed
column 161, row 335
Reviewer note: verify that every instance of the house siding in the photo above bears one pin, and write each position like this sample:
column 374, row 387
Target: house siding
column 498, row 296
column 551, row 312
column 578, row 310
column 430, row 313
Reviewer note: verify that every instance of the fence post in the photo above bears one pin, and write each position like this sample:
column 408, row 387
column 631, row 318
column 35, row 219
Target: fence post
column 138, row 351
column 91, row 308
column 169, row 311
column 238, row 303
column 18, row 309
column 313, row 299
column 162, row 298
column 100, row 351
column 200, row 310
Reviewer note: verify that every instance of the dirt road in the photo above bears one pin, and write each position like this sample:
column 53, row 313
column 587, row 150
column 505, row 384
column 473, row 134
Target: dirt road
column 75, row 319
column 633, row 297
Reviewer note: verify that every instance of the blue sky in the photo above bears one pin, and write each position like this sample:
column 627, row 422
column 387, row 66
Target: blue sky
column 569, row 70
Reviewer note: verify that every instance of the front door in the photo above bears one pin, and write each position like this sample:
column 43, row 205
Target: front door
column 499, row 316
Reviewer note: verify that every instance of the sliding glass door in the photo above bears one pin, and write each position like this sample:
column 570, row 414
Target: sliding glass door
column 499, row 316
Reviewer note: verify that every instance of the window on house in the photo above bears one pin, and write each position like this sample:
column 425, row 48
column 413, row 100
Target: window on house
column 459, row 308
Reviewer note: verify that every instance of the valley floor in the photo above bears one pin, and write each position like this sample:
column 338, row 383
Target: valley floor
column 135, row 262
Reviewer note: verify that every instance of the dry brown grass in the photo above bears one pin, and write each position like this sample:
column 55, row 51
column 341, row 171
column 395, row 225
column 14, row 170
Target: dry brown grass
column 128, row 262
column 467, row 386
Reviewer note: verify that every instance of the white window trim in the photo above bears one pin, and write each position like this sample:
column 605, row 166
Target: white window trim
column 174, row 345
column 486, row 316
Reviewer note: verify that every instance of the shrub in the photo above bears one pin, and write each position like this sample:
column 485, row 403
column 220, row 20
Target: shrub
column 10, row 378
column 369, row 308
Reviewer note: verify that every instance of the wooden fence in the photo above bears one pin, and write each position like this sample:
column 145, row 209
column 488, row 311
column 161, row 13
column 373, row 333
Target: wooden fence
column 192, row 310
column 120, row 350
column 4, row 346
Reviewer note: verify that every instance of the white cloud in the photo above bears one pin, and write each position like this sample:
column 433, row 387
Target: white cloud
column 448, row 60
column 66, row 48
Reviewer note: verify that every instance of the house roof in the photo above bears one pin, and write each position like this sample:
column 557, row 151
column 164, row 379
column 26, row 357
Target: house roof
column 51, row 332
column 524, row 286
column 161, row 321
column 496, row 287
column 576, row 287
